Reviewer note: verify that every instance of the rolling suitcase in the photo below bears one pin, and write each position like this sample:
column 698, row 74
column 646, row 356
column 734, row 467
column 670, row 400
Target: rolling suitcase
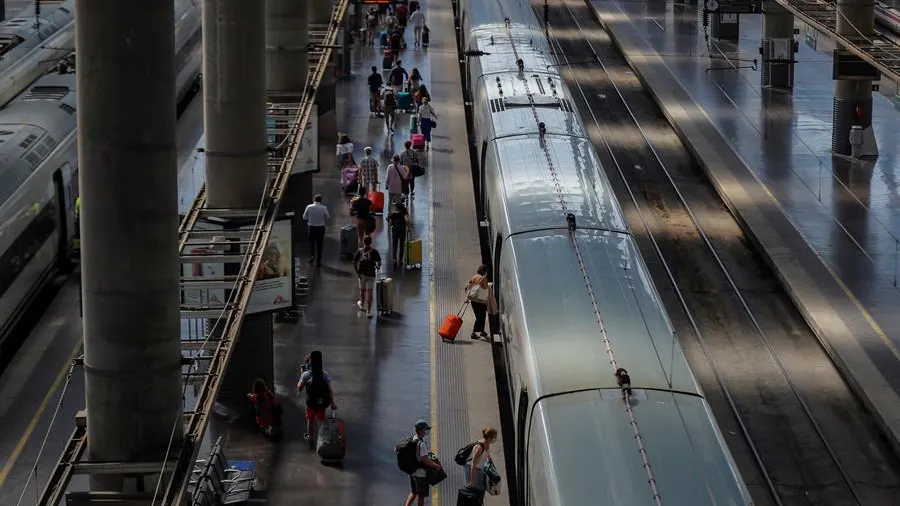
column 413, row 254
column 331, row 445
column 467, row 497
column 418, row 141
column 383, row 38
column 377, row 199
column 349, row 241
column 384, row 295
column 452, row 323
column 404, row 101
column 413, row 124
column 387, row 61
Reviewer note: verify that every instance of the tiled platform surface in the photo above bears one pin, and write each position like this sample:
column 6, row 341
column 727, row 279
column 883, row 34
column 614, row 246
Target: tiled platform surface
column 828, row 226
column 387, row 372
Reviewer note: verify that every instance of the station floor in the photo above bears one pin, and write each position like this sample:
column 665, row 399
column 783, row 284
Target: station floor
column 387, row 372
column 828, row 225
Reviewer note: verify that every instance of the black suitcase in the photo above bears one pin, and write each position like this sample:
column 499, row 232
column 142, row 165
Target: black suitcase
column 468, row 497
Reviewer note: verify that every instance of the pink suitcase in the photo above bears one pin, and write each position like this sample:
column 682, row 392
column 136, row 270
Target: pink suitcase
column 418, row 141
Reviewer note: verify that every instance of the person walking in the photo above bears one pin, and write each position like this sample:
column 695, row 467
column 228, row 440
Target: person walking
column 414, row 81
column 427, row 117
column 398, row 76
column 419, row 489
column 375, row 83
column 478, row 294
column 399, row 226
column 316, row 216
column 389, row 99
column 480, row 465
column 395, row 176
column 319, row 395
column 410, row 159
column 366, row 263
column 417, row 20
column 368, row 168
column 361, row 208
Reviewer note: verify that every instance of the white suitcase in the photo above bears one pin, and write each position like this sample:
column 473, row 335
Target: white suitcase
column 384, row 295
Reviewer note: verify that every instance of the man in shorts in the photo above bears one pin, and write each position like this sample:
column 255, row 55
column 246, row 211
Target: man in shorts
column 419, row 490
column 366, row 262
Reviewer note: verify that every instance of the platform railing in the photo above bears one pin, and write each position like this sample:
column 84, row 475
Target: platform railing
column 224, row 330
column 877, row 49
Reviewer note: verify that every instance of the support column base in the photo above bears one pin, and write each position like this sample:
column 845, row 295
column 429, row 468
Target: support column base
column 253, row 357
column 846, row 115
column 725, row 27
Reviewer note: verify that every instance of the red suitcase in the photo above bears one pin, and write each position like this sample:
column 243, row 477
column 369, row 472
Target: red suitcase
column 452, row 323
column 377, row 199
column 418, row 141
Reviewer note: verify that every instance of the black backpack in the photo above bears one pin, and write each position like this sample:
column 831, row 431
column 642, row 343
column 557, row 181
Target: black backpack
column 317, row 394
column 407, row 451
column 463, row 454
column 390, row 100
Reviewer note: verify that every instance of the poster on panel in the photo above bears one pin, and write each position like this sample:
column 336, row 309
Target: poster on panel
column 274, row 286
column 204, row 296
column 307, row 159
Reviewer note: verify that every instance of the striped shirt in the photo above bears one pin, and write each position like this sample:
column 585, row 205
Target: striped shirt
column 369, row 168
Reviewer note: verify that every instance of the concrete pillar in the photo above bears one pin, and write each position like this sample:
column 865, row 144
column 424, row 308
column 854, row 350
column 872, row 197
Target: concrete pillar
column 234, row 118
column 777, row 46
column 2, row 10
column 287, row 68
column 853, row 98
column 320, row 12
column 725, row 26
column 129, row 215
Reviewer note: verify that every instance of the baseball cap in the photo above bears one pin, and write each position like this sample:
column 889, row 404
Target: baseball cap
column 422, row 425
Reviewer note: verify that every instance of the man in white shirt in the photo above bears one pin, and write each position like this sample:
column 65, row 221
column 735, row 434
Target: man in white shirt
column 316, row 216
column 419, row 490
column 417, row 20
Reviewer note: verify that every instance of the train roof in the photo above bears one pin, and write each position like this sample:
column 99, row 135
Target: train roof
column 530, row 46
column 513, row 98
column 602, row 462
column 531, row 195
column 562, row 329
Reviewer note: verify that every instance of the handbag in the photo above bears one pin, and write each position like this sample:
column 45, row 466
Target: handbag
column 404, row 183
column 478, row 294
column 435, row 476
column 416, row 170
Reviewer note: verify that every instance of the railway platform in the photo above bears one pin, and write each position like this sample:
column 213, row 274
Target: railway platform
column 826, row 225
column 389, row 371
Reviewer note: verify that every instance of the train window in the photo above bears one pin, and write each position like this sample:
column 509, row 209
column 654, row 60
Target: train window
column 14, row 260
column 28, row 141
column 33, row 159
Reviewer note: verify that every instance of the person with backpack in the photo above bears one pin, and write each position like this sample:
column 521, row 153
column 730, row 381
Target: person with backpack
column 476, row 458
column 361, row 208
column 410, row 159
column 319, row 395
column 366, row 263
column 396, row 180
column 389, row 99
column 413, row 457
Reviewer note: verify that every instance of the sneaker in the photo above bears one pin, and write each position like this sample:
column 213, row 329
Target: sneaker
column 306, row 436
column 359, row 305
column 369, row 314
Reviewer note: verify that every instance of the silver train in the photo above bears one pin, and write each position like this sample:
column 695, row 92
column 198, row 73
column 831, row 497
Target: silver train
column 19, row 35
column 575, row 440
column 39, row 172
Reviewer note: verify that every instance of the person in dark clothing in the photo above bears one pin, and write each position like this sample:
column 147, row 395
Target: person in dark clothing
column 366, row 263
column 319, row 395
column 398, row 76
column 479, row 301
column 375, row 84
column 266, row 409
column 361, row 208
column 399, row 222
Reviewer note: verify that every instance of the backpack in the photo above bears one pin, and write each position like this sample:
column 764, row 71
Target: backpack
column 463, row 454
column 389, row 99
column 317, row 394
column 407, row 451
column 366, row 262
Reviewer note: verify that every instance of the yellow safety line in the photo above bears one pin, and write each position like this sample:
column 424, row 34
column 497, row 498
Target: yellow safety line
column 51, row 392
column 432, row 328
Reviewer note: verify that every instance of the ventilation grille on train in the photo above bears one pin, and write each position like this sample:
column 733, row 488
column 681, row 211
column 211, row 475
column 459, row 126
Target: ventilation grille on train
column 500, row 104
column 47, row 93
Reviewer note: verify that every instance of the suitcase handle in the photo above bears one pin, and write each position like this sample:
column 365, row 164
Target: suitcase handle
column 463, row 308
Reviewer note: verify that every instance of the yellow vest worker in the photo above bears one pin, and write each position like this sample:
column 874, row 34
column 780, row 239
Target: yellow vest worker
column 78, row 207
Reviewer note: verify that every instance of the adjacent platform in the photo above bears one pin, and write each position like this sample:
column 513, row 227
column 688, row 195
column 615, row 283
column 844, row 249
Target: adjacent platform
column 828, row 225
column 389, row 371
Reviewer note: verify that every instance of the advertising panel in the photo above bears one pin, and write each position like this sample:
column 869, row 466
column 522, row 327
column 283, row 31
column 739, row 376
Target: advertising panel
column 274, row 286
column 307, row 159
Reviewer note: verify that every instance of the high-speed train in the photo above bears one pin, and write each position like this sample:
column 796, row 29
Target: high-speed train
column 39, row 171
column 566, row 293
column 25, row 31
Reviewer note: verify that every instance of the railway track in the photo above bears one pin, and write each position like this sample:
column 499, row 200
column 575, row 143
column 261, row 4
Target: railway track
column 798, row 434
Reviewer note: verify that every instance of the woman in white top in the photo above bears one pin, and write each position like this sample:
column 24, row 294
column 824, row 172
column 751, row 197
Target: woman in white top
column 344, row 152
column 481, row 455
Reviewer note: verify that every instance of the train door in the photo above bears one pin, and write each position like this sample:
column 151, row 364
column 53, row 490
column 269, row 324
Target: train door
column 521, row 420
column 62, row 237
column 481, row 183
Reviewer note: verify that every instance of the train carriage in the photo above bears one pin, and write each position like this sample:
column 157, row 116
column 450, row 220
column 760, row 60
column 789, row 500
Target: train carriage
column 566, row 294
